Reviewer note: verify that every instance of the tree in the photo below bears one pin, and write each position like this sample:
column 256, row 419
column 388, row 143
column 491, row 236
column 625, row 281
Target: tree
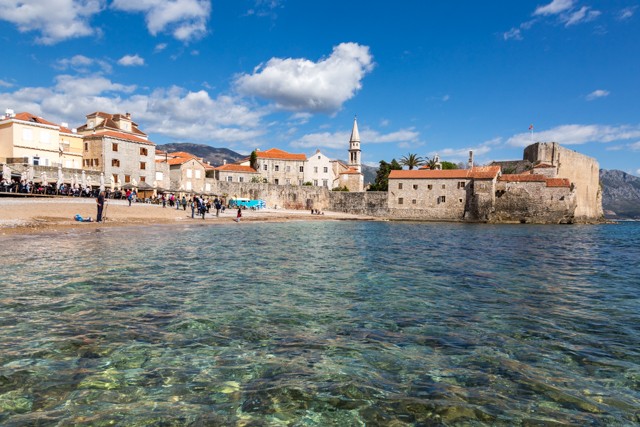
column 448, row 165
column 253, row 160
column 382, row 176
column 431, row 162
column 411, row 161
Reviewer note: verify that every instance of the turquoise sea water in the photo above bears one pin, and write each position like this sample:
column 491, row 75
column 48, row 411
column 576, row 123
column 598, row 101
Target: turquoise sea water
column 322, row 323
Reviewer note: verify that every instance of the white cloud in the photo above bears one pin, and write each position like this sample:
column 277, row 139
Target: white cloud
column 82, row 64
column 4, row 83
column 599, row 93
column 55, row 20
column 635, row 146
column 584, row 14
column 638, row 172
column 627, row 13
column 341, row 139
column 160, row 47
column 265, row 8
column 554, row 8
column 578, row 134
column 303, row 85
column 131, row 61
column 172, row 112
column 512, row 34
column 185, row 19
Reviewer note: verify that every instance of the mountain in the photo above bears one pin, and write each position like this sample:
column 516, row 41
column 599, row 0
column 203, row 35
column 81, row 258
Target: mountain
column 369, row 173
column 620, row 194
column 215, row 156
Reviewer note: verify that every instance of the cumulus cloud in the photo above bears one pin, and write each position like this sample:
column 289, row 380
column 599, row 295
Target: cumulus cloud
column 298, row 84
column 599, row 93
column 578, row 134
column 184, row 19
column 554, row 8
column 635, row 146
column 4, row 83
column 131, row 61
column 82, row 64
column 340, row 139
column 627, row 13
column 172, row 112
column 54, row 20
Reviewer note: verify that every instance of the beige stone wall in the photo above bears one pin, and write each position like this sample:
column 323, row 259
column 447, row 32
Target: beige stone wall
column 189, row 177
column 236, row 176
column 6, row 141
column 533, row 202
column 281, row 172
column 434, row 199
column 581, row 170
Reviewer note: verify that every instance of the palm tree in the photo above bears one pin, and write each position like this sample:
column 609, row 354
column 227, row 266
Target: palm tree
column 411, row 161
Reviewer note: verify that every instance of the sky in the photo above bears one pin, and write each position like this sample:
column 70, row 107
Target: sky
column 422, row 77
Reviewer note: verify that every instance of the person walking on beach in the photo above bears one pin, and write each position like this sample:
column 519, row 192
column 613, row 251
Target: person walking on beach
column 239, row 215
column 218, row 205
column 184, row 203
column 193, row 206
column 129, row 196
column 177, row 203
column 100, row 205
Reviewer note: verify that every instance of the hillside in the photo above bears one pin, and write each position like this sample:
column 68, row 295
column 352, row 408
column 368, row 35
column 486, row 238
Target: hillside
column 620, row 194
column 215, row 156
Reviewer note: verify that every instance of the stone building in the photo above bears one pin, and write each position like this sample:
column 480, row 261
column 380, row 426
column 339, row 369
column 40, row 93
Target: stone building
column 280, row 167
column 28, row 139
column 319, row 170
column 113, row 144
column 234, row 172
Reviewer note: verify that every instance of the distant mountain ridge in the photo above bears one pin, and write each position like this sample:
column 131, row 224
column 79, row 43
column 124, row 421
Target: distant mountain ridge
column 215, row 156
column 620, row 194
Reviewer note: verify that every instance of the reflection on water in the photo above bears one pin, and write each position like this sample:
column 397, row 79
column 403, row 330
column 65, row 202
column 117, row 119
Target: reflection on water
column 315, row 324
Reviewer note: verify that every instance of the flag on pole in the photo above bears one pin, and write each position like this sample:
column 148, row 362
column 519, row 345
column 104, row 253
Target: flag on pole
column 530, row 127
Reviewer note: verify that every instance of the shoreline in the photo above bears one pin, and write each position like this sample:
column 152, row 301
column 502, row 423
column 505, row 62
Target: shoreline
column 50, row 216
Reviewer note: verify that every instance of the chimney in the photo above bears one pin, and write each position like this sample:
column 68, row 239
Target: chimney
column 470, row 159
column 224, row 161
column 64, row 124
column 128, row 115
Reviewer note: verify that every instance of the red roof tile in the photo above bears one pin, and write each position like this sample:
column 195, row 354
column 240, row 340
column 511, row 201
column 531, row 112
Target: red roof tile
column 481, row 172
column 28, row 117
column 558, row 182
column 233, row 167
column 350, row 171
column 119, row 135
column 275, row 153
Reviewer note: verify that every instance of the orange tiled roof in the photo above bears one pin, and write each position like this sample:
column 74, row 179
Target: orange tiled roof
column 234, row 167
column 350, row 171
column 275, row 153
column 119, row 135
column 28, row 117
column 480, row 172
column 558, row 182
column 522, row 177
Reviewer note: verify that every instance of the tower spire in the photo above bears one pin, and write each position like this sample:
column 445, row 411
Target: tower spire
column 354, row 147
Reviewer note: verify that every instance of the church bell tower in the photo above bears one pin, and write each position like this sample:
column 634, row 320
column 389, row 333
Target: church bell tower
column 354, row 147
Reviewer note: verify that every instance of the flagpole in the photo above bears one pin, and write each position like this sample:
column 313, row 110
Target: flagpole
column 531, row 134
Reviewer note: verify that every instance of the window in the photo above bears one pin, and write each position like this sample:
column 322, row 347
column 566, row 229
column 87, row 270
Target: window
column 460, row 200
column 44, row 137
column 400, row 201
column 300, row 182
column 86, row 146
column 189, row 173
column 276, row 168
column 143, row 165
column 27, row 134
column 114, row 147
column 288, row 168
column 301, row 168
column 429, row 187
column 326, row 169
column 265, row 166
column 276, row 182
column 197, row 173
column 143, row 178
column 441, row 199
column 229, row 178
column 399, row 186
column 159, row 176
column 115, row 178
column 36, row 160
column 443, row 186
column 461, row 184
column 143, row 151
column 319, row 157
column 115, row 163
column 315, row 182
column 95, row 162
column 240, row 179
column 414, row 201
column 315, row 169
column 288, row 181
column 415, row 186
column 127, row 178
column 325, row 183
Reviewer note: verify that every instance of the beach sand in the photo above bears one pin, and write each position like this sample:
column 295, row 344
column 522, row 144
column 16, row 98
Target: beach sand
column 26, row 216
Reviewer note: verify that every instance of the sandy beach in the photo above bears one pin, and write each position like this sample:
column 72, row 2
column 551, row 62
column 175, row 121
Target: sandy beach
column 26, row 216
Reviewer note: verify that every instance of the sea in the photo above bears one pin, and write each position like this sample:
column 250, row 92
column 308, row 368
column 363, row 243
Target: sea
column 322, row 323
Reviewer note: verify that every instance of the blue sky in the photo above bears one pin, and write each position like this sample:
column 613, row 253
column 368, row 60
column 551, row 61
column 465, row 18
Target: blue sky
column 422, row 76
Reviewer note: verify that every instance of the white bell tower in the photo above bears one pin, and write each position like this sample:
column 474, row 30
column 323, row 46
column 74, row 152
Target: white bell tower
column 354, row 147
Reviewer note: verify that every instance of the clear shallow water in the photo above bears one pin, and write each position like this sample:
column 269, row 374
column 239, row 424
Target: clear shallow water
column 322, row 323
